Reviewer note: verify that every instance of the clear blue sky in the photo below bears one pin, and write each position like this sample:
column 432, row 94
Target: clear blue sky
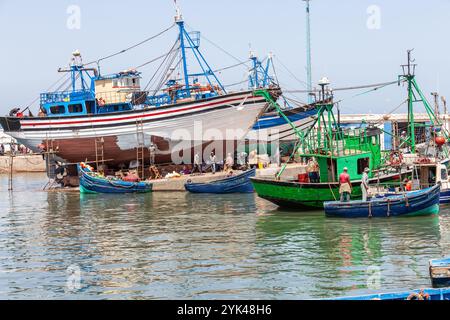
column 36, row 41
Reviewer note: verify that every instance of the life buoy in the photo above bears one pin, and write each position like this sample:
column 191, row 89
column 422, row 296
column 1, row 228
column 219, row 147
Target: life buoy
column 414, row 296
column 418, row 296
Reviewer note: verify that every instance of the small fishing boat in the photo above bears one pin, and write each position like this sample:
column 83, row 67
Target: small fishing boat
column 92, row 182
column 440, row 272
column 414, row 203
column 425, row 294
column 234, row 184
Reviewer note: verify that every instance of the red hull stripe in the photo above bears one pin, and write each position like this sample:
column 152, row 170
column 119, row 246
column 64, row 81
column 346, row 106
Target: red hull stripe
column 152, row 114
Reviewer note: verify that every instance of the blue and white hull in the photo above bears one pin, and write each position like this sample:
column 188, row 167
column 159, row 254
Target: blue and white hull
column 445, row 196
column 273, row 127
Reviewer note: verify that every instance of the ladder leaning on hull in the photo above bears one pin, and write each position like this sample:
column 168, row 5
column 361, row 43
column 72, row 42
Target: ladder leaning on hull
column 140, row 149
column 100, row 153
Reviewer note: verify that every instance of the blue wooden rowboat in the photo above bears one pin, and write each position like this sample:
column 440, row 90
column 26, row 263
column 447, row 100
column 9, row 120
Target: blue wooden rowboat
column 440, row 272
column 425, row 294
column 414, row 203
column 90, row 182
column 234, row 184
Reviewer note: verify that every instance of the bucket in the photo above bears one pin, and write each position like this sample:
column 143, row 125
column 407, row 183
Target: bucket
column 260, row 165
column 303, row 177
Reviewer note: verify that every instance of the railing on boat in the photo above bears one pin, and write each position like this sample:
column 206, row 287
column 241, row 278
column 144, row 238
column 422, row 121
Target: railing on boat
column 66, row 96
column 341, row 143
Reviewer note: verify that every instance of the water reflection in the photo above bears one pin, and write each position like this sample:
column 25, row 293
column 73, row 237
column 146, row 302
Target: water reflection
column 340, row 251
column 177, row 245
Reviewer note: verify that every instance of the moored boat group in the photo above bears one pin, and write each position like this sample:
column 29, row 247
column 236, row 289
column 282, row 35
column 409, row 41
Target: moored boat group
column 115, row 136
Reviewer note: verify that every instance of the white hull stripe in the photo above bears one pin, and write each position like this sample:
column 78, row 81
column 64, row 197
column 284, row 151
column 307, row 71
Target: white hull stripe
column 145, row 114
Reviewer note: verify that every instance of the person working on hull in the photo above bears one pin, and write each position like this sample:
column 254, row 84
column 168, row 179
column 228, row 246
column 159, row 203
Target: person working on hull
column 213, row 159
column 345, row 186
column 313, row 171
column 229, row 162
column 365, row 184
column 197, row 164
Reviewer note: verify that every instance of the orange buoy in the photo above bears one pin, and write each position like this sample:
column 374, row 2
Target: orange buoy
column 440, row 140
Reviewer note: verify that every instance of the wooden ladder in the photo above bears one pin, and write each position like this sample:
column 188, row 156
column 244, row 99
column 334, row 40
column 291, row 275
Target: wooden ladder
column 154, row 173
column 100, row 154
column 140, row 149
column 395, row 134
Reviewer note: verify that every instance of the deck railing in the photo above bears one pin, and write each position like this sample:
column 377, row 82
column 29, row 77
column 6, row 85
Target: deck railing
column 338, row 143
column 66, row 96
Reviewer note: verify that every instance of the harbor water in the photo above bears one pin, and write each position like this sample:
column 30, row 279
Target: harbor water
column 175, row 245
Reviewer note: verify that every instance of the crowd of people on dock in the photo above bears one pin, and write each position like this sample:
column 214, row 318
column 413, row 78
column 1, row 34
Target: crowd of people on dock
column 14, row 149
column 241, row 161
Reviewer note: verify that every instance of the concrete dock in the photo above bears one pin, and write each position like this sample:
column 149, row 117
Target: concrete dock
column 22, row 163
column 177, row 184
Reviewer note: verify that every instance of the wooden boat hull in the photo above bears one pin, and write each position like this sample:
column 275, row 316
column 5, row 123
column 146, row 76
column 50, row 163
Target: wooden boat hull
column 414, row 203
column 92, row 184
column 237, row 184
column 176, row 130
column 440, row 272
column 297, row 195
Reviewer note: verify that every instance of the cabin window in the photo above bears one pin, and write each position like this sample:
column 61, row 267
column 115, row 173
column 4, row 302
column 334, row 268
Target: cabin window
column 115, row 83
column 444, row 175
column 75, row 108
column 90, row 107
column 57, row 109
column 362, row 164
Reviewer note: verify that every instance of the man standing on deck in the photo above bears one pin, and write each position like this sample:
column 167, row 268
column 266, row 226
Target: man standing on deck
column 365, row 184
column 313, row 171
column 212, row 158
column 229, row 163
column 242, row 156
column 197, row 164
column 345, row 188
column 152, row 150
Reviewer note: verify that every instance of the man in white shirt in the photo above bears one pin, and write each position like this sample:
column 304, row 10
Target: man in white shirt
column 229, row 162
column 197, row 164
column 212, row 159
column 152, row 150
column 365, row 184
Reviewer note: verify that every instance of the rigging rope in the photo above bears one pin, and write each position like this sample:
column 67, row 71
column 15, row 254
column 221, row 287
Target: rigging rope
column 232, row 66
column 160, row 66
column 376, row 85
column 167, row 73
column 236, row 83
column 303, row 83
column 131, row 47
column 156, row 59
column 221, row 49
column 48, row 89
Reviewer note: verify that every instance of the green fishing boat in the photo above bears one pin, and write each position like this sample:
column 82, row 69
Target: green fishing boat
column 333, row 148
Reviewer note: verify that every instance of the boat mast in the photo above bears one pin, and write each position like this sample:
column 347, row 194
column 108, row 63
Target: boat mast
column 180, row 22
column 258, row 76
column 192, row 41
column 308, row 52
column 415, row 94
column 78, row 71
column 409, row 74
